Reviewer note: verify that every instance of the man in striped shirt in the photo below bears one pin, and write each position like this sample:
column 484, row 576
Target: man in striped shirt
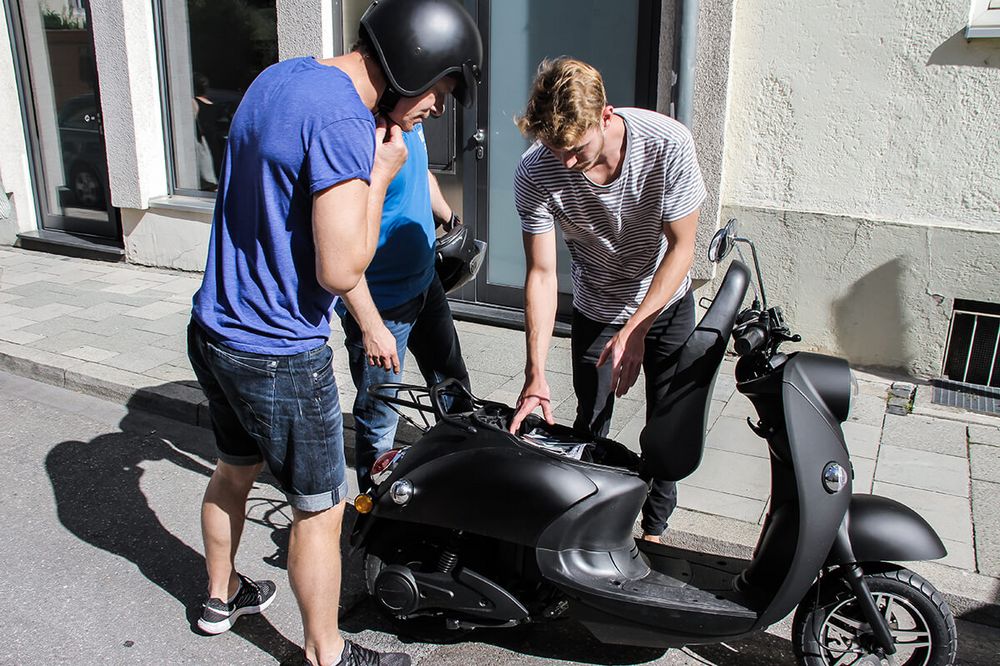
column 625, row 188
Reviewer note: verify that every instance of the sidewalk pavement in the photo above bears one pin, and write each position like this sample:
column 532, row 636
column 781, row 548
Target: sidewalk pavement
column 117, row 332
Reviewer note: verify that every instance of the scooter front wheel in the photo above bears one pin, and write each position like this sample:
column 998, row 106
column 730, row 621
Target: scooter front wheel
column 829, row 628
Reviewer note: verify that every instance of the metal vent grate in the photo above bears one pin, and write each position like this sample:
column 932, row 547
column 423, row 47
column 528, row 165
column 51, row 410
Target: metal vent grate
column 973, row 339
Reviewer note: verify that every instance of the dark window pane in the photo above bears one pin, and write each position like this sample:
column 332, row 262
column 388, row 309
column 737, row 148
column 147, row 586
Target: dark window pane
column 213, row 49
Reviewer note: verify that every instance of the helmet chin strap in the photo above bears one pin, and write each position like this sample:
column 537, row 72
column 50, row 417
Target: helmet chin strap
column 387, row 102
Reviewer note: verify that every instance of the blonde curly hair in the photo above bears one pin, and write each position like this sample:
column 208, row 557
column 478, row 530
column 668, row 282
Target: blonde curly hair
column 567, row 99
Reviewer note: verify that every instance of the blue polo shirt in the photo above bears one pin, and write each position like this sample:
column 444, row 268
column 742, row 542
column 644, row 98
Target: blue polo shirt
column 300, row 129
column 403, row 266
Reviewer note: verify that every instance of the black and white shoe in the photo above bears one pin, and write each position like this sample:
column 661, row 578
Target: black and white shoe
column 218, row 616
column 355, row 655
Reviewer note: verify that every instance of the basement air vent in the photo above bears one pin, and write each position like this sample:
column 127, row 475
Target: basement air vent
column 972, row 344
column 971, row 363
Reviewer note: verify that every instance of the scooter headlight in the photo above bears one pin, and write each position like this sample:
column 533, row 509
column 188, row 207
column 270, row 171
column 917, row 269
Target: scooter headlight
column 401, row 492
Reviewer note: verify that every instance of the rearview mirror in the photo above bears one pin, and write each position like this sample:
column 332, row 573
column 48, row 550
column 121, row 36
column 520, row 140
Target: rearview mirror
column 723, row 242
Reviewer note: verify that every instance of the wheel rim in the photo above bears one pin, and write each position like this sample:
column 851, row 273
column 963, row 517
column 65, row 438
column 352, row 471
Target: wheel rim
column 846, row 637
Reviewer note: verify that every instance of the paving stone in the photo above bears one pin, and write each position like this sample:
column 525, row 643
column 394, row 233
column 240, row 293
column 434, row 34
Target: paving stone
column 960, row 555
column 7, row 310
column 984, row 461
column 916, row 468
column 155, row 311
column 51, row 311
column 951, row 517
column 174, row 325
column 864, row 474
column 106, row 382
column 868, row 409
column 740, row 407
column 86, row 353
column 35, row 363
column 715, row 408
column 60, row 342
column 20, row 336
column 986, row 508
column 862, row 440
column 629, row 434
column 735, row 473
column 925, row 433
column 14, row 323
column 733, row 434
column 24, row 278
column 7, row 297
column 172, row 373
column 718, row 503
column 142, row 360
column 979, row 434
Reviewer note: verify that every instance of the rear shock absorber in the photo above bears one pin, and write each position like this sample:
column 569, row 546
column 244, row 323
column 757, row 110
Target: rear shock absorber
column 449, row 558
column 447, row 561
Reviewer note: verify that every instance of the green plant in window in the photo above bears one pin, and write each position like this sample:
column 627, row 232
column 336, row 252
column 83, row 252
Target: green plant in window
column 53, row 20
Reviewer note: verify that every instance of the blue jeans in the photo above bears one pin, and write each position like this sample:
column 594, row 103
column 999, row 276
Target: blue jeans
column 284, row 410
column 424, row 326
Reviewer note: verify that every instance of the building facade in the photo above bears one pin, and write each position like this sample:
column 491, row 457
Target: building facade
column 859, row 145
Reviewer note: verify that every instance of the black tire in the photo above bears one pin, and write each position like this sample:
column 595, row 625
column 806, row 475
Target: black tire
column 828, row 629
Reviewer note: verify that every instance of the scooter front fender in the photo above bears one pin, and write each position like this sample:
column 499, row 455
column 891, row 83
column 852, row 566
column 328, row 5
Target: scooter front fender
column 880, row 529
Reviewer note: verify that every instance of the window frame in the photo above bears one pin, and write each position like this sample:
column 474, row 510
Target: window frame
column 984, row 20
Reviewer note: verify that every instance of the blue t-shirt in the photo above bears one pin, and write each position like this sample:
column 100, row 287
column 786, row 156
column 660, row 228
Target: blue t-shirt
column 300, row 129
column 403, row 265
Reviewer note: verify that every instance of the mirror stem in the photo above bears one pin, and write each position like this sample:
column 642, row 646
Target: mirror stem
column 756, row 265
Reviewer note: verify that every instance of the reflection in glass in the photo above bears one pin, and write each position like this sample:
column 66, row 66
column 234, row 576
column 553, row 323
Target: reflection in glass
column 214, row 49
column 63, row 77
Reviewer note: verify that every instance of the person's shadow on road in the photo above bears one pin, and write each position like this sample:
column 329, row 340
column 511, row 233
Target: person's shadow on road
column 100, row 500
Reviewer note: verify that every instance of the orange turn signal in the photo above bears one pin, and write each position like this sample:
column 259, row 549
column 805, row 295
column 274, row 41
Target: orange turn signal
column 363, row 503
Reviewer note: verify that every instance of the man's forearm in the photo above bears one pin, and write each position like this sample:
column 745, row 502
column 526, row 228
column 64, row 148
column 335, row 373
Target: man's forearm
column 666, row 281
column 439, row 205
column 361, row 306
column 540, row 301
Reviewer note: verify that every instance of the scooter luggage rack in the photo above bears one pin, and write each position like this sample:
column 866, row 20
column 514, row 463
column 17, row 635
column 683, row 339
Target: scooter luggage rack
column 427, row 401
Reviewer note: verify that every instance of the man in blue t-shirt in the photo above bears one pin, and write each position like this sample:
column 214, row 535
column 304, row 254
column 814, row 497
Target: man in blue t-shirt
column 296, row 223
column 399, row 304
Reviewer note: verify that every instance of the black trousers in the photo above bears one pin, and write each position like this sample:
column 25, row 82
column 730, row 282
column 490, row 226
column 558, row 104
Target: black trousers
column 596, row 400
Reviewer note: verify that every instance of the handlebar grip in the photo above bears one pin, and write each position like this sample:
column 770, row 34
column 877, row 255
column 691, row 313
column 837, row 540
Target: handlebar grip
column 750, row 339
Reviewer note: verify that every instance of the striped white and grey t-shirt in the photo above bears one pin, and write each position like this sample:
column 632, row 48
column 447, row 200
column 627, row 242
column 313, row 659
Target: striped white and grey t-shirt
column 615, row 231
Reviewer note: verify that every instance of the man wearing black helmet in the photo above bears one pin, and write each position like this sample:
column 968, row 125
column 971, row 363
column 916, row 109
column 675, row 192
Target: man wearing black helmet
column 296, row 223
column 400, row 304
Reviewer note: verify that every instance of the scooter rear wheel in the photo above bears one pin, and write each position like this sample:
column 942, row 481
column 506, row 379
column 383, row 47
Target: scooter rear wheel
column 829, row 627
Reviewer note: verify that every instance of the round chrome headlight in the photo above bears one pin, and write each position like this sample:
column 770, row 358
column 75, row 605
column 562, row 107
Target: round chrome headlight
column 401, row 492
column 835, row 477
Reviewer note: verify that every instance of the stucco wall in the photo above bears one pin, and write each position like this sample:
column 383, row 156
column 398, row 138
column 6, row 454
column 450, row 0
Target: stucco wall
column 863, row 153
column 874, row 110
column 14, row 169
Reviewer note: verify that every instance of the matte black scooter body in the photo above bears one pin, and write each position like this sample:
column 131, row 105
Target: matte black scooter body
column 574, row 519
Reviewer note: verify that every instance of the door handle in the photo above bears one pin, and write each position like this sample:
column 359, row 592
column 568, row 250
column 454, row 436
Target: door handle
column 477, row 142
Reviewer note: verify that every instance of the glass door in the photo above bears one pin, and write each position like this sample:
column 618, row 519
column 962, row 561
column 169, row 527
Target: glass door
column 518, row 34
column 59, row 77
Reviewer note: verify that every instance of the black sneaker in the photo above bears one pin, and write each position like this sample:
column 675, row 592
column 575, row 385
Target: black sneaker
column 355, row 655
column 218, row 616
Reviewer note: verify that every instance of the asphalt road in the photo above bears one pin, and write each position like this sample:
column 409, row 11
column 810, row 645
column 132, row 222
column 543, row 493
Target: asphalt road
column 102, row 558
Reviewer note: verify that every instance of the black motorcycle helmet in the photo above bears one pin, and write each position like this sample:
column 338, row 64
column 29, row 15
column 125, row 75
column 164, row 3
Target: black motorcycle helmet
column 457, row 258
column 419, row 42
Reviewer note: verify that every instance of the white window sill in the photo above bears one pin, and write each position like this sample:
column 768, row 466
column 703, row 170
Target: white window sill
column 188, row 204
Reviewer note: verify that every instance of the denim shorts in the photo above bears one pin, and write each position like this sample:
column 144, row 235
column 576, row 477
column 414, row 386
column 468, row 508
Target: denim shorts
column 283, row 410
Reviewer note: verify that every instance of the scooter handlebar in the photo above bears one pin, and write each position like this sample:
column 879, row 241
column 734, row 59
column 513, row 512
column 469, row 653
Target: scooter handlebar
column 749, row 339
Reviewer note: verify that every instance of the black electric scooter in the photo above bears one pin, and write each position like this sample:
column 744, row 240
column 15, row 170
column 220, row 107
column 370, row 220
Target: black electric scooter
column 474, row 527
